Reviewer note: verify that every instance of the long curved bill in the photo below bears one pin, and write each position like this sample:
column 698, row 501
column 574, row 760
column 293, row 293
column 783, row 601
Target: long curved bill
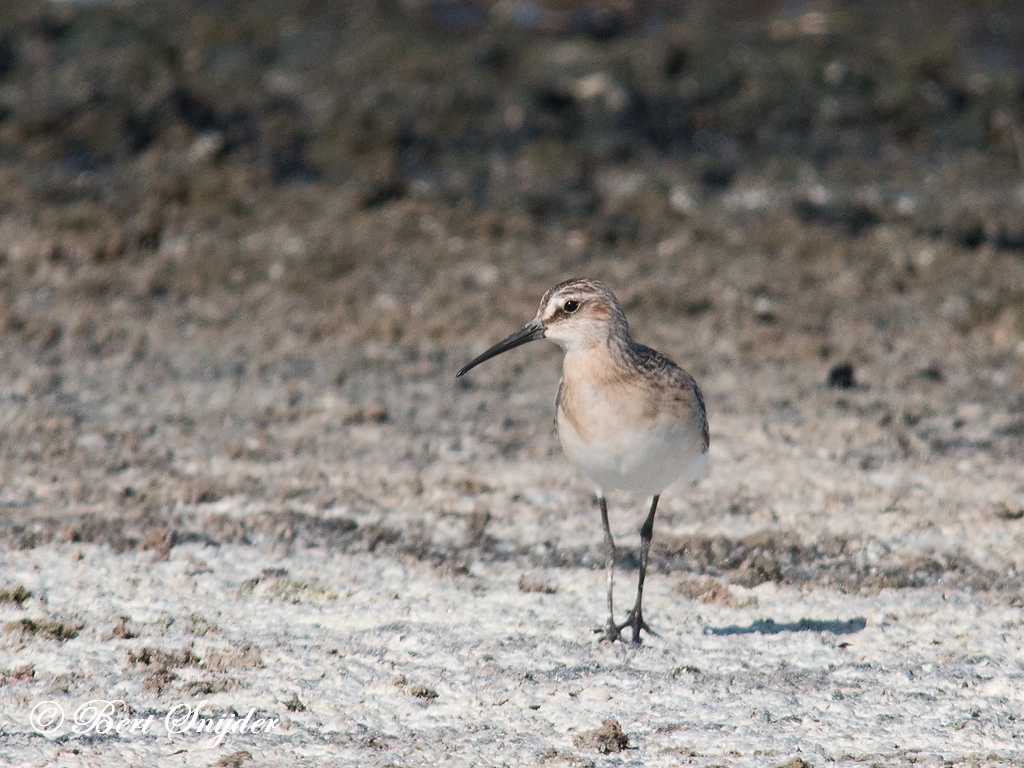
column 532, row 331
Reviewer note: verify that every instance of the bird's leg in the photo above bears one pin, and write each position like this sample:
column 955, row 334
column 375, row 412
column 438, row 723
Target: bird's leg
column 611, row 630
column 636, row 616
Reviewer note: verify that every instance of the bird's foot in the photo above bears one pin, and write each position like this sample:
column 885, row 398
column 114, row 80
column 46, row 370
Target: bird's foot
column 610, row 631
column 635, row 619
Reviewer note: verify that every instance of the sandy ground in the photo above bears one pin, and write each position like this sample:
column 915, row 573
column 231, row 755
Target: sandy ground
column 236, row 468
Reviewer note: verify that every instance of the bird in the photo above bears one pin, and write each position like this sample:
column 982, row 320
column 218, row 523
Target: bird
column 627, row 416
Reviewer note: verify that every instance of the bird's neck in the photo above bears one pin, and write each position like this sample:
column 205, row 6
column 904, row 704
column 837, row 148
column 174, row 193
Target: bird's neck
column 600, row 360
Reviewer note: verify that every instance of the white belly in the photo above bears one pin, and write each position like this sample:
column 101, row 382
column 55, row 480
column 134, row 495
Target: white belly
column 641, row 461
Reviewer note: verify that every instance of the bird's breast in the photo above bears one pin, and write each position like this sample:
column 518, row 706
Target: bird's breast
column 625, row 434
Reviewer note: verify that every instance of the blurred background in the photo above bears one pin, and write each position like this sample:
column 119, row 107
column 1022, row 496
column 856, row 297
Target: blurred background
column 212, row 213
column 397, row 156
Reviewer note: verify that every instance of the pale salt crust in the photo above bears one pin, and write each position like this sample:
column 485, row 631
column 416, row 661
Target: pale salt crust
column 930, row 675
column 926, row 675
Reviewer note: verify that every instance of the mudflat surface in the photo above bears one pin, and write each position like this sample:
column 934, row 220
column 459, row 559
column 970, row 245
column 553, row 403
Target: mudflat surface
column 243, row 250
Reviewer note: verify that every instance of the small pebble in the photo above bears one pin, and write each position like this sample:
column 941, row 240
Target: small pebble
column 841, row 376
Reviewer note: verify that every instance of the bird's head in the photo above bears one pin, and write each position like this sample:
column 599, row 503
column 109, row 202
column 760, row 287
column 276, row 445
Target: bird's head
column 575, row 314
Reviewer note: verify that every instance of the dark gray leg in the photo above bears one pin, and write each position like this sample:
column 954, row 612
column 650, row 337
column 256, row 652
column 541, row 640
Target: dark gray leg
column 636, row 616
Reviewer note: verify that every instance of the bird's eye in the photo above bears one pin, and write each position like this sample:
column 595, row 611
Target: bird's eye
column 571, row 306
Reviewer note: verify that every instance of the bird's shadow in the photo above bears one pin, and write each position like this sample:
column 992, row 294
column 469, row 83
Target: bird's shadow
column 772, row 627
